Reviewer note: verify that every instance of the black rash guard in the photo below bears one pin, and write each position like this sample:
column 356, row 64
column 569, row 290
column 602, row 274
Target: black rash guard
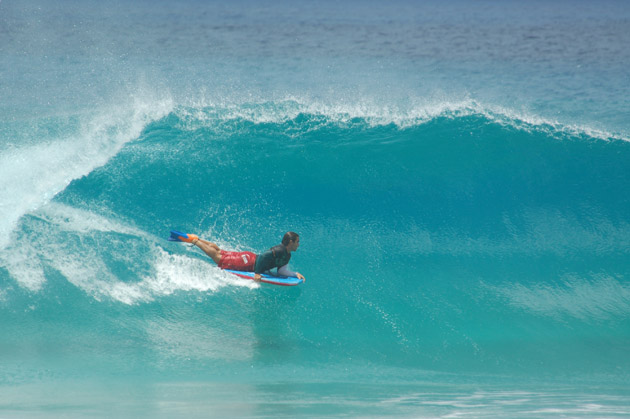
column 275, row 257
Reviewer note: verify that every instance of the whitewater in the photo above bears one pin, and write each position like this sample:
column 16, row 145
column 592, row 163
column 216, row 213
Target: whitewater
column 458, row 173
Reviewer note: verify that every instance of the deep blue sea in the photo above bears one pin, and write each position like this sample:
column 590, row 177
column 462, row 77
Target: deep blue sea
column 458, row 172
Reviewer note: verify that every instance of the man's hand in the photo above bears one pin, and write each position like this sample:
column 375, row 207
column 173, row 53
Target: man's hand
column 300, row 276
column 257, row 277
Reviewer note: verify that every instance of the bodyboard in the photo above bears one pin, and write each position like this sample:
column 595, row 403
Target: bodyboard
column 269, row 279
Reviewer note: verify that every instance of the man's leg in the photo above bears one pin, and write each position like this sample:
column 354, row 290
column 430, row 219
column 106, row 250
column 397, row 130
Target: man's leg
column 209, row 249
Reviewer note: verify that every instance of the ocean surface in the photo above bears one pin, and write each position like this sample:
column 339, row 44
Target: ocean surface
column 458, row 172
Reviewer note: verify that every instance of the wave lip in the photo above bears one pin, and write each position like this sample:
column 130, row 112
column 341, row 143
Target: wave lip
column 33, row 174
column 292, row 111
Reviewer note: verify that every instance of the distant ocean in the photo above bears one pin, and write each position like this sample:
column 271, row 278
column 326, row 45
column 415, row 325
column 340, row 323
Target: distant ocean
column 458, row 172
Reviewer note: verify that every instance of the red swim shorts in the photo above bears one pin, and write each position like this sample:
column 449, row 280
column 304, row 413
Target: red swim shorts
column 237, row 261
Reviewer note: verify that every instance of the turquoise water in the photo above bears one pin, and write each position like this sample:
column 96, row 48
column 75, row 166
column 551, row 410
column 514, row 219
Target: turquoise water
column 458, row 174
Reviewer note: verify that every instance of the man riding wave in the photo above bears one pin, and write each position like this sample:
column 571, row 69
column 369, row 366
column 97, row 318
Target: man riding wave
column 276, row 257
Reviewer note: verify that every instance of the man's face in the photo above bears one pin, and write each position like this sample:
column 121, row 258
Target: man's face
column 293, row 245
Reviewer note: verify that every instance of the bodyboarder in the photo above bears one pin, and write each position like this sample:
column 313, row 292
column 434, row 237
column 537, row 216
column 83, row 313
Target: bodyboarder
column 276, row 257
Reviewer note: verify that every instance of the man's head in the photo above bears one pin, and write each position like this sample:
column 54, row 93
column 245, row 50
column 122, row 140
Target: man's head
column 291, row 240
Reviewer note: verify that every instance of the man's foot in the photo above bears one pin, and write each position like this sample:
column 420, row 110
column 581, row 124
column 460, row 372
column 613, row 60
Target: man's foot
column 176, row 236
column 189, row 238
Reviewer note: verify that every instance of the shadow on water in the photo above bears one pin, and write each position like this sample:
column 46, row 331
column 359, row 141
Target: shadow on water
column 273, row 315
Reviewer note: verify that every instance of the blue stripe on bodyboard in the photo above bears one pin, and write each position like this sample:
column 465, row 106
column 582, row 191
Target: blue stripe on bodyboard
column 270, row 279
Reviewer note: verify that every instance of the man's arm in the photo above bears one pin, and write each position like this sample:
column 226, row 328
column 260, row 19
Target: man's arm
column 284, row 271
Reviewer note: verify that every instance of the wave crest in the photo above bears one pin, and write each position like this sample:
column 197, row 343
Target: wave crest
column 300, row 116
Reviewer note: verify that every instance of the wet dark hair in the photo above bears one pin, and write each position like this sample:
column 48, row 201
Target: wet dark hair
column 289, row 237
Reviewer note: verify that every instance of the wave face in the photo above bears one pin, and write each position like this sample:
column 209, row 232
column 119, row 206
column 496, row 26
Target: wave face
column 462, row 241
column 458, row 175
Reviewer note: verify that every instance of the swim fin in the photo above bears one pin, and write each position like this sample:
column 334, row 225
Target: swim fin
column 176, row 236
